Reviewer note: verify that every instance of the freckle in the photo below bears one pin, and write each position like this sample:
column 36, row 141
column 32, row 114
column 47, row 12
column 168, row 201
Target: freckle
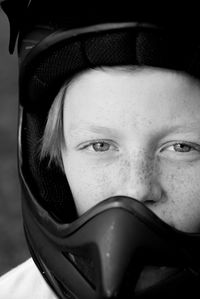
column 172, row 176
column 149, row 122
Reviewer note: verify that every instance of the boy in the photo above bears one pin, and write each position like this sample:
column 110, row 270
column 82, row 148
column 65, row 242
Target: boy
column 109, row 158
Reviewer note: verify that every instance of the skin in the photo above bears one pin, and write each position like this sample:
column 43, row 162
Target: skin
column 135, row 133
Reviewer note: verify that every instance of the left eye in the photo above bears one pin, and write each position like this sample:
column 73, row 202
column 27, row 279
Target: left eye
column 182, row 147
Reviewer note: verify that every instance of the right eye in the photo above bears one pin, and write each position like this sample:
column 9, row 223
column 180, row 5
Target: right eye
column 99, row 146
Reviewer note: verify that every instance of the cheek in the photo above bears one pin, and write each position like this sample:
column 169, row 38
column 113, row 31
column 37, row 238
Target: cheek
column 89, row 184
column 181, row 207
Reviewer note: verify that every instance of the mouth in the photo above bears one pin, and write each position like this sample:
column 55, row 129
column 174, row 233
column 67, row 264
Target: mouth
column 151, row 276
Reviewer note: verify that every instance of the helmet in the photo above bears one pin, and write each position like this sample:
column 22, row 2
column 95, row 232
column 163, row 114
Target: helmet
column 103, row 251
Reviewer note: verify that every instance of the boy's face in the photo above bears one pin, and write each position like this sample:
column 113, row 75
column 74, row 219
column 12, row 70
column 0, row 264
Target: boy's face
column 135, row 133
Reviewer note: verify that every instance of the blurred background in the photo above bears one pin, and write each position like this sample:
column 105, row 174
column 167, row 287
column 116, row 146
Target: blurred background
column 13, row 248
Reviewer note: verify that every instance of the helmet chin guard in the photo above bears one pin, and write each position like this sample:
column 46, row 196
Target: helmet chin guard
column 103, row 252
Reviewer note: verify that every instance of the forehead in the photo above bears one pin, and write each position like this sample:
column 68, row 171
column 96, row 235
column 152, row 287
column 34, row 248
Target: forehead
column 111, row 95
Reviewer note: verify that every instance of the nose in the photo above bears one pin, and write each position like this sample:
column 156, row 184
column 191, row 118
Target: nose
column 141, row 180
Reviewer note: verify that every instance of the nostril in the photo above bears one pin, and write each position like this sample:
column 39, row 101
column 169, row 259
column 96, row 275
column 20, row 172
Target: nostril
column 149, row 202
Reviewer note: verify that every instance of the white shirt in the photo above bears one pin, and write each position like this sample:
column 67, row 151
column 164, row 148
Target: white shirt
column 25, row 282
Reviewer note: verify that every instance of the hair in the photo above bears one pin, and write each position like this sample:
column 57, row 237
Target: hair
column 53, row 137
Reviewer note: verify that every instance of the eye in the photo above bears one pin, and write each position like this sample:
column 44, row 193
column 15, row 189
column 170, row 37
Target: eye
column 99, row 146
column 182, row 148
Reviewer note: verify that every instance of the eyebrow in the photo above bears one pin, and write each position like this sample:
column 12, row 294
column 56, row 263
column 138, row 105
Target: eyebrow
column 94, row 128
column 187, row 127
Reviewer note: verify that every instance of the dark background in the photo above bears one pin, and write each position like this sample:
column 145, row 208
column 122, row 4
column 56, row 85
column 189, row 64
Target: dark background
column 13, row 249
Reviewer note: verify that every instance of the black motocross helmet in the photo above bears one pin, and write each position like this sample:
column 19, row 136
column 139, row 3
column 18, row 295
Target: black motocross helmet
column 102, row 253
